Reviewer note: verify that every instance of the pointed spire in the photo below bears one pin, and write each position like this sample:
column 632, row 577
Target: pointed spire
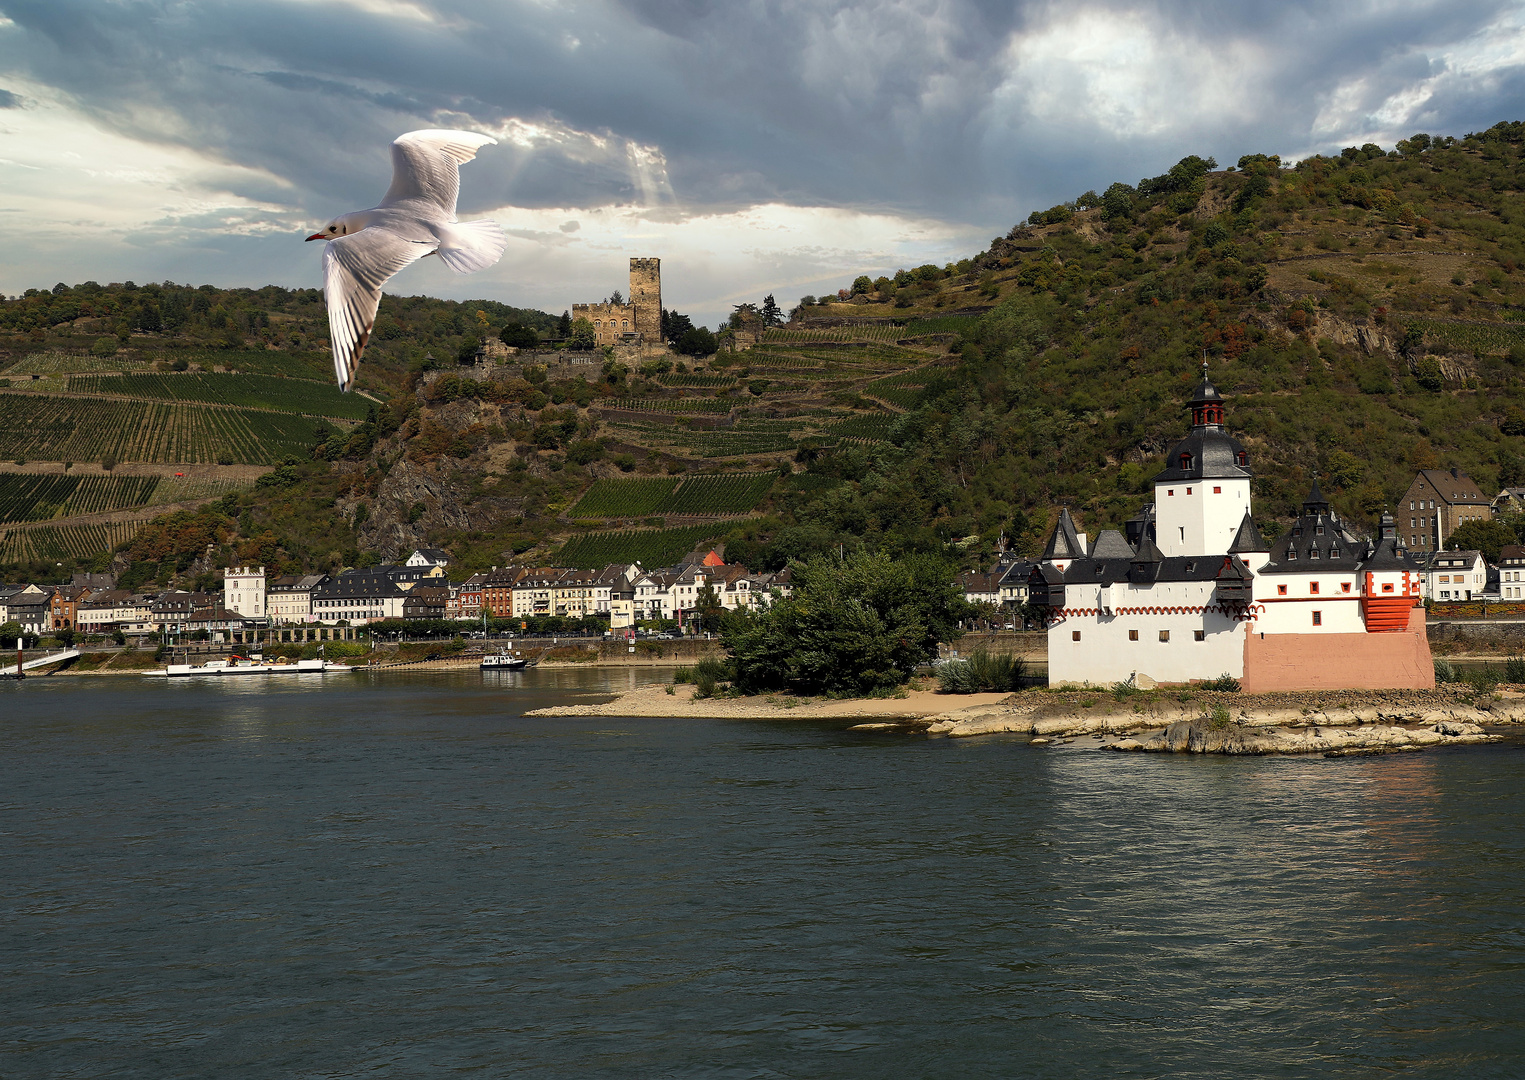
column 1248, row 538
column 1315, row 502
column 1148, row 551
column 1064, row 542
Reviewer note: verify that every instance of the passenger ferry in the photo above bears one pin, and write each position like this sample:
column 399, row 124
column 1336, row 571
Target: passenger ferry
column 255, row 665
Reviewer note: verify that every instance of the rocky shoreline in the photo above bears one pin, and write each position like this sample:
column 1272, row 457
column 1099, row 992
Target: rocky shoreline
column 1331, row 723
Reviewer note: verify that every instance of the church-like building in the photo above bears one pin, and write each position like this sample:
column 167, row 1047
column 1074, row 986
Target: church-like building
column 1192, row 592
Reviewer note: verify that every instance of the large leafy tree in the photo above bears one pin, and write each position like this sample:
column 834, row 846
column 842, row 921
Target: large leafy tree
column 1485, row 536
column 855, row 623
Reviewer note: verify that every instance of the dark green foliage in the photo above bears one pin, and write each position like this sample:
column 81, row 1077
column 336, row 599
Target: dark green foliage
column 982, row 672
column 1225, row 683
column 697, row 342
column 1485, row 536
column 853, row 625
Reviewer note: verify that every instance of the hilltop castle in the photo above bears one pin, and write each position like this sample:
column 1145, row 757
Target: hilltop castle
column 638, row 322
column 1193, row 592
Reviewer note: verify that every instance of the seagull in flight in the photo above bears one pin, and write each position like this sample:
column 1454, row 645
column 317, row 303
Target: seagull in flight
column 416, row 218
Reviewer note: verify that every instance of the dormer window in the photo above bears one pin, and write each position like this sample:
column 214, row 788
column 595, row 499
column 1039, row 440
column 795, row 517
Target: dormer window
column 1297, row 532
column 1291, row 555
column 1313, row 553
column 1244, row 459
column 1334, row 553
column 1319, row 531
column 1185, row 461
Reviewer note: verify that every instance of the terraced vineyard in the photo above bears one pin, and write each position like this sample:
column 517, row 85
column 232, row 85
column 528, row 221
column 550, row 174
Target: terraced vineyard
column 731, row 493
column 674, row 405
column 39, row 498
column 722, row 444
column 173, row 489
column 623, row 498
column 58, row 542
column 886, row 332
column 649, row 547
column 1478, row 337
column 700, row 381
column 248, row 391
column 61, row 363
column 940, row 324
column 39, row 427
column 866, row 426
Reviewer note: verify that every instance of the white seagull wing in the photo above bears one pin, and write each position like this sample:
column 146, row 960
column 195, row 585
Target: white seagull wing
column 355, row 268
column 426, row 165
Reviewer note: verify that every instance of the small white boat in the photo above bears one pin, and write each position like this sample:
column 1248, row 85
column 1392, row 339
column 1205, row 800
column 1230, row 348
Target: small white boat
column 504, row 662
column 243, row 665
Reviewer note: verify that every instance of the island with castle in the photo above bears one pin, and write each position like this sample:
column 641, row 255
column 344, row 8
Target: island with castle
column 1192, row 592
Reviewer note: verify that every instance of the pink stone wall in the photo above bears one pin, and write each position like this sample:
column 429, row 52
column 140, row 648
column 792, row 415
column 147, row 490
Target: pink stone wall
column 1399, row 660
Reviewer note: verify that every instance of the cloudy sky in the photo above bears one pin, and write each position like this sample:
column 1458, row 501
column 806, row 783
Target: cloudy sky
column 754, row 145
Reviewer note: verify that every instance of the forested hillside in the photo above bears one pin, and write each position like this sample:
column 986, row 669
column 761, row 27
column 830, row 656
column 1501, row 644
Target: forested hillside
column 1364, row 313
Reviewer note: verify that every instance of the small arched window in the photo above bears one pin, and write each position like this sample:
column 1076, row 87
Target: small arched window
column 1185, row 461
column 1244, row 459
column 625, row 324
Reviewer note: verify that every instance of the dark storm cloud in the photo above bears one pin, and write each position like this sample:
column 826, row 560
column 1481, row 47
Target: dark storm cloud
column 955, row 109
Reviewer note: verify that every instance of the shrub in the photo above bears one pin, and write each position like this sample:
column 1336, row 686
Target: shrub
column 712, row 668
column 704, row 686
column 683, row 675
column 1444, row 672
column 981, row 672
column 1514, row 669
column 1224, row 683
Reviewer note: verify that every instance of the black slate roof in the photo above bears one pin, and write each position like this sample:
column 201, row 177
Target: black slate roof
column 1211, row 454
column 1248, row 538
column 1142, row 572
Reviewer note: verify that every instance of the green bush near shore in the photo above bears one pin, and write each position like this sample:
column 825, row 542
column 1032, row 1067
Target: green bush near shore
column 981, row 672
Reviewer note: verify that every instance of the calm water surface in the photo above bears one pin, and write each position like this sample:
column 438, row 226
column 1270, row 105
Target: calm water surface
column 407, row 878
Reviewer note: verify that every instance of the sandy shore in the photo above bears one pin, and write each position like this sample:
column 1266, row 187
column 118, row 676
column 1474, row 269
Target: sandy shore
column 654, row 700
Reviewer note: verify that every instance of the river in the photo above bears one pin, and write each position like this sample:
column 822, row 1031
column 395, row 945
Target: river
column 402, row 876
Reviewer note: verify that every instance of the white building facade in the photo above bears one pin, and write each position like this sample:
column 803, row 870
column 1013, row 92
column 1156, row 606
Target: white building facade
column 243, row 591
column 1198, row 594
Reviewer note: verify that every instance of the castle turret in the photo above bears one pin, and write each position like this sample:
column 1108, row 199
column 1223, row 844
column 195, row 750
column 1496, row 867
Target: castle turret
column 1203, row 493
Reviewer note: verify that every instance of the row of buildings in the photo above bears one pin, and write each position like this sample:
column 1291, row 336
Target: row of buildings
column 624, row 593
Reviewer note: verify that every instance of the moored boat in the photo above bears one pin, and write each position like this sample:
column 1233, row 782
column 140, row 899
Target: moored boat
column 504, row 662
column 245, row 665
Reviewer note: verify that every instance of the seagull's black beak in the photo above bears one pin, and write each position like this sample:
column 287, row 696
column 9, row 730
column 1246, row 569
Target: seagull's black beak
column 316, row 236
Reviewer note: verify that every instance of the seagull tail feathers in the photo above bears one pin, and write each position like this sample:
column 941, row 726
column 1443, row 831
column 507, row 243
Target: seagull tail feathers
column 469, row 246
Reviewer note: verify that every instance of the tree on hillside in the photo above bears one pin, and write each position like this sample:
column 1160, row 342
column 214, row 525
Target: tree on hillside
column 564, row 325
column 674, row 326
column 696, row 341
column 1485, row 536
column 772, row 314
column 854, row 624
column 582, row 335
column 517, row 335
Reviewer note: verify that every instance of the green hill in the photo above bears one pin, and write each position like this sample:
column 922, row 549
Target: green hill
column 1364, row 313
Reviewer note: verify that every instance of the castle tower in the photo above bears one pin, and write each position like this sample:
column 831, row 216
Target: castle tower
column 1203, row 494
column 646, row 299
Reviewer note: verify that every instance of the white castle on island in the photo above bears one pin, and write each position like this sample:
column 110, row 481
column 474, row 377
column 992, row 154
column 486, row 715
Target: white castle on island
column 1193, row 592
